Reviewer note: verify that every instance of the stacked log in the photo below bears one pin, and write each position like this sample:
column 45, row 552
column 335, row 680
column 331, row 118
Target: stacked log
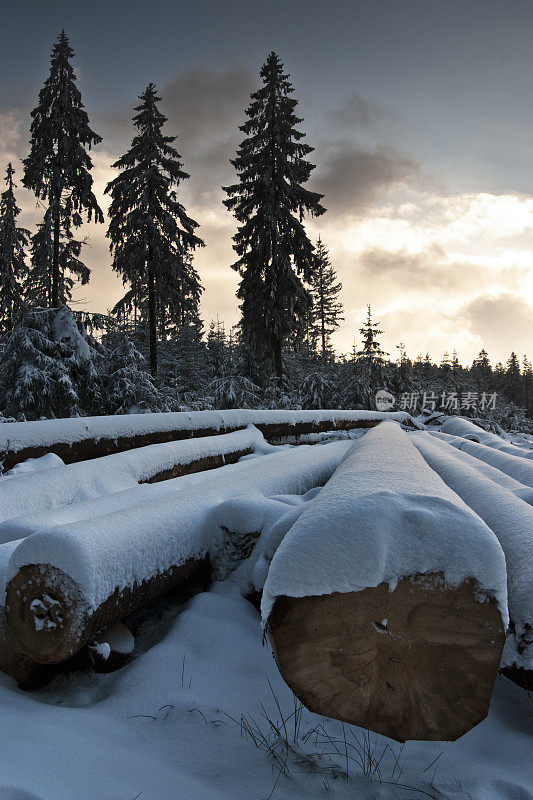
column 521, row 469
column 511, row 520
column 92, row 437
column 492, row 473
column 459, row 426
column 71, row 483
column 385, row 603
column 66, row 583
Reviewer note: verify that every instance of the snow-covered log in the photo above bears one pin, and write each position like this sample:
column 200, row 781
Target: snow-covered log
column 385, row 603
column 71, row 483
column 511, row 520
column 492, row 473
column 65, row 583
column 521, row 469
column 459, row 426
column 82, row 438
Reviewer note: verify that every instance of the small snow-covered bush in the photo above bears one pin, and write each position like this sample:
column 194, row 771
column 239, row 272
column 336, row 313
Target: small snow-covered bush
column 48, row 368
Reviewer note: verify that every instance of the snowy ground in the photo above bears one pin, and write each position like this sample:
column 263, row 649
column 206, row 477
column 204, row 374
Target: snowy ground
column 201, row 713
column 168, row 726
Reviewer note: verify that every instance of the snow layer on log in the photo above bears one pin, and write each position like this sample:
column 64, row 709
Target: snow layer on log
column 6, row 551
column 16, row 436
column 33, row 465
column 27, row 524
column 73, row 483
column 459, row 426
column 492, row 473
column 508, row 517
column 384, row 515
column 123, row 548
column 521, row 469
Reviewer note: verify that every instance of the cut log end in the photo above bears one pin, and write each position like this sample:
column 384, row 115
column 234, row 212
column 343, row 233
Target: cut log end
column 51, row 621
column 418, row 662
column 46, row 612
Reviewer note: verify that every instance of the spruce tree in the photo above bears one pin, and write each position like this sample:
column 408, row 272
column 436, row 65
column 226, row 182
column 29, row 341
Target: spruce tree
column 38, row 289
column 326, row 313
column 527, row 372
column 481, row 371
column 13, row 243
column 371, row 350
column 58, row 166
column 151, row 235
column 269, row 202
column 217, row 349
column 512, row 381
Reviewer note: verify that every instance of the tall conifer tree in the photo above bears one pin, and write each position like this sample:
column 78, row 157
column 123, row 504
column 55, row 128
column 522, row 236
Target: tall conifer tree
column 269, row 201
column 58, row 166
column 13, row 243
column 151, row 235
column 326, row 313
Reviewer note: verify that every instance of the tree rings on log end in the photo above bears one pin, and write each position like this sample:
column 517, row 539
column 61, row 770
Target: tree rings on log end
column 46, row 612
column 418, row 662
column 48, row 615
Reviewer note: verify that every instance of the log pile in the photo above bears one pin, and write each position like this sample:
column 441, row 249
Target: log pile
column 385, row 602
column 93, row 437
column 71, row 483
column 511, row 520
column 65, row 584
column 521, row 469
column 459, row 426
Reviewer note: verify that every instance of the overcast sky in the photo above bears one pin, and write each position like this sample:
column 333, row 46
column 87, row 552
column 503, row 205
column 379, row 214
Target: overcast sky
column 420, row 112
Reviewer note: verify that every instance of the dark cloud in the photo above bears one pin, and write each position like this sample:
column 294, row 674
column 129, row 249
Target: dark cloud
column 502, row 322
column 204, row 108
column 13, row 137
column 361, row 113
column 429, row 269
column 352, row 178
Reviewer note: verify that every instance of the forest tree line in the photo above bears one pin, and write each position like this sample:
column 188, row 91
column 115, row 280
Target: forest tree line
column 57, row 362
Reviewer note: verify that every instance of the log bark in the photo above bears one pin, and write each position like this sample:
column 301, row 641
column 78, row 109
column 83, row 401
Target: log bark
column 89, row 448
column 416, row 663
column 199, row 465
column 49, row 619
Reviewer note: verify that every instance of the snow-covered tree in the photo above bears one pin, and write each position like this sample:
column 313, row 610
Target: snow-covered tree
column 58, row 166
column 269, row 202
column 234, row 391
column 38, row 287
column 512, row 383
column 527, row 372
column 151, row 235
column 455, row 363
column 371, row 349
column 481, row 370
column 317, row 390
column 48, row 368
column 128, row 386
column 326, row 313
column 13, row 243
column 446, row 363
column 217, row 355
